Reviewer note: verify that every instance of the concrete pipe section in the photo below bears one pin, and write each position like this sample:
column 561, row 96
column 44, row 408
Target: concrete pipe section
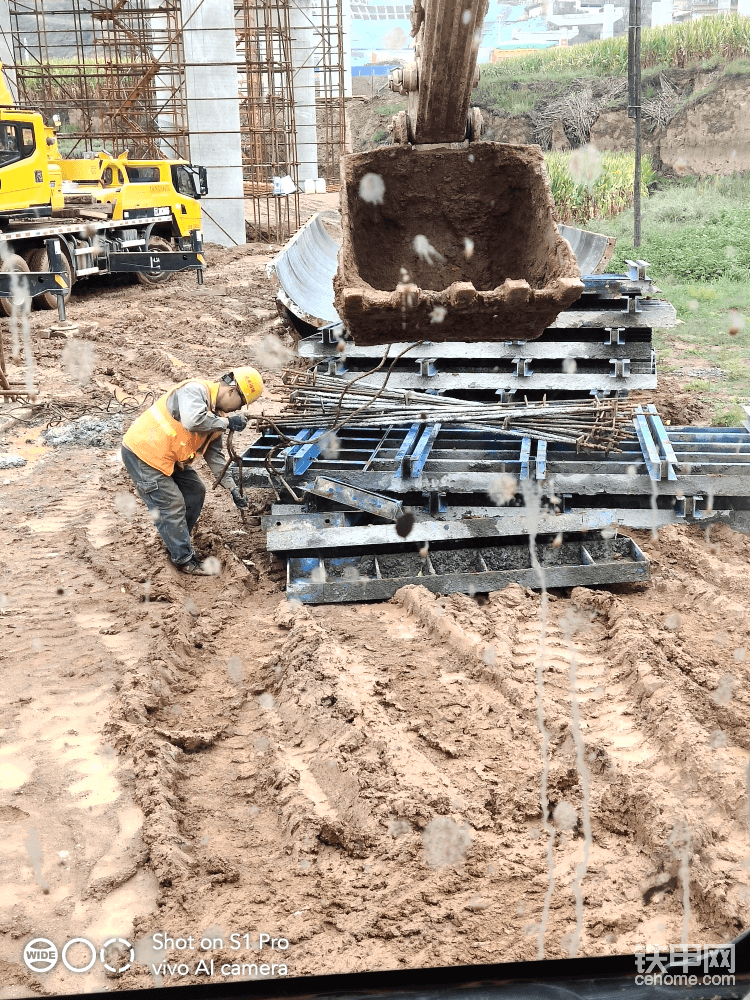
column 592, row 250
column 305, row 269
column 451, row 244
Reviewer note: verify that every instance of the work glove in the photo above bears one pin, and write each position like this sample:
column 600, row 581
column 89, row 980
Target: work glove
column 237, row 422
column 239, row 501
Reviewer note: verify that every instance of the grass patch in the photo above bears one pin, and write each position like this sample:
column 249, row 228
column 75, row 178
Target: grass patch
column 380, row 135
column 728, row 414
column 735, row 366
column 718, row 247
column 392, row 109
column 710, row 38
column 739, row 67
column 707, row 315
column 607, row 194
column 505, row 96
column 713, row 315
column 697, row 231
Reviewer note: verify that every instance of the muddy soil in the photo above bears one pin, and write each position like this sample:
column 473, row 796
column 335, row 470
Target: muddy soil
column 200, row 757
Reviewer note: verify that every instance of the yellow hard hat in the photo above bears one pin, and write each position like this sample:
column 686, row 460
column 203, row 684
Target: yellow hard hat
column 249, row 382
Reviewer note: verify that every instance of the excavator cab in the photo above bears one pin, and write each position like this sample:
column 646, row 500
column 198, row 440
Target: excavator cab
column 446, row 238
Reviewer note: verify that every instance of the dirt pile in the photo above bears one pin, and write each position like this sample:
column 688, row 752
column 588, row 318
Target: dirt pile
column 381, row 777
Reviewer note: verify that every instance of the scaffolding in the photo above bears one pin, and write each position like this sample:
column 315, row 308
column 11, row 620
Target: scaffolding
column 113, row 70
column 267, row 125
column 329, row 96
column 318, row 66
column 291, row 84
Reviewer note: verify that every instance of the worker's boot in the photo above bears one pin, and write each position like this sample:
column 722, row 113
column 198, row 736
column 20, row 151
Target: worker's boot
column 194, row 567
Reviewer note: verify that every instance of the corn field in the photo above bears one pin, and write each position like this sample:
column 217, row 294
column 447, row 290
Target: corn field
column 596, row 187
column 726, row 37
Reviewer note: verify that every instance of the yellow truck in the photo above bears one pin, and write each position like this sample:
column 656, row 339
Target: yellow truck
column 109, row 214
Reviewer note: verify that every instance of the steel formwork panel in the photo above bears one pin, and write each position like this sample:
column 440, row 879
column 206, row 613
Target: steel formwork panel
column 320, row 579
column 461, row 460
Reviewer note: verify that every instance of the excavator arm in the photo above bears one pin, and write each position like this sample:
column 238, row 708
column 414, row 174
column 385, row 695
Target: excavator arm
column 447, row 238
column 447, row 34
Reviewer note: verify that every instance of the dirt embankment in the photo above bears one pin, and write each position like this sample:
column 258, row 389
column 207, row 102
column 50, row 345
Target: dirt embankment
column 695, row 121
column 187, row 755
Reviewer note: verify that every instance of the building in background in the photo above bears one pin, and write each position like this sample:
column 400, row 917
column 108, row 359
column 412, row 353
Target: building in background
column 381, row 33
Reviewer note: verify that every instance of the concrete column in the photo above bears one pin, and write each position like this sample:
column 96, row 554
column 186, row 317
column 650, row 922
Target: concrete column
column 214, row 115
column 608, row 24
column 346, row 55
column 7, row 57
column 304, row 41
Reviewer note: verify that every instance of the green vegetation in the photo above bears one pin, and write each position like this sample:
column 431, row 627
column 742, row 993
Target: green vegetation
column 728, row 414
column 726, row 38
column 687, row 227
column 392, row 109
column 719, row 247
column 593, row 188
column 380, row 135
column 505, row 95
column 696, row 230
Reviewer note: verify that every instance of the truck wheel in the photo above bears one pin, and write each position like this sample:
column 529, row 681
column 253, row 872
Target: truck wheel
column 39, row 261
column 16, row 264
column 150, row 278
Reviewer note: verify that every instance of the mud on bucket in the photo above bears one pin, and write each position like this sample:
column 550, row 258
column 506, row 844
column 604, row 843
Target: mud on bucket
column 451, row 244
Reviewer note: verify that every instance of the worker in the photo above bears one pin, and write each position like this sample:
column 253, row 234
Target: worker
column 159, row 447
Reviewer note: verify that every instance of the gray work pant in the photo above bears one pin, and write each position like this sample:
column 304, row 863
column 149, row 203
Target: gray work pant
column 176, row 502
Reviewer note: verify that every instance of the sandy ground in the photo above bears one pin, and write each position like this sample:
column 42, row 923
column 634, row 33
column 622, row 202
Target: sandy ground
column 198, row 757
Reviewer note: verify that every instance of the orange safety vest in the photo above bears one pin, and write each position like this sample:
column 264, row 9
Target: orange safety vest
column 161, row 441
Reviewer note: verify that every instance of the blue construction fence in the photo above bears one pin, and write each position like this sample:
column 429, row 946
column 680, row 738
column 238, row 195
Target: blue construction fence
column 373, row 69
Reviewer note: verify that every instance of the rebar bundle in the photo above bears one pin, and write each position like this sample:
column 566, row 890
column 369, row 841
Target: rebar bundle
column 319, row 402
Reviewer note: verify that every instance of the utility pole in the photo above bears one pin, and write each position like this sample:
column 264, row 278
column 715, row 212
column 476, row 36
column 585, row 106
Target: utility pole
column 634, row 109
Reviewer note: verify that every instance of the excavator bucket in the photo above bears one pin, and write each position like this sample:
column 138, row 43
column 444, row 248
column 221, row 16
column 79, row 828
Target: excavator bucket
column 451, row 243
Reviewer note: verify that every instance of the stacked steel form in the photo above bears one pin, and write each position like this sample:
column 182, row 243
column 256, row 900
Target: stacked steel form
column 462, row 467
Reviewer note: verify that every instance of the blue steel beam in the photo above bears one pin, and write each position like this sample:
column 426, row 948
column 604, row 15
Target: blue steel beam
column 525, row 453
column 648, row 446
column 665, row 445
column 541, row 459
column 406, row 445
column 422, row 450
column 303, row 455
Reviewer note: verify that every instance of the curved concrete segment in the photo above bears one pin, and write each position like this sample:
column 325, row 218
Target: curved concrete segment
column 305, row 269
column 592, row 250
